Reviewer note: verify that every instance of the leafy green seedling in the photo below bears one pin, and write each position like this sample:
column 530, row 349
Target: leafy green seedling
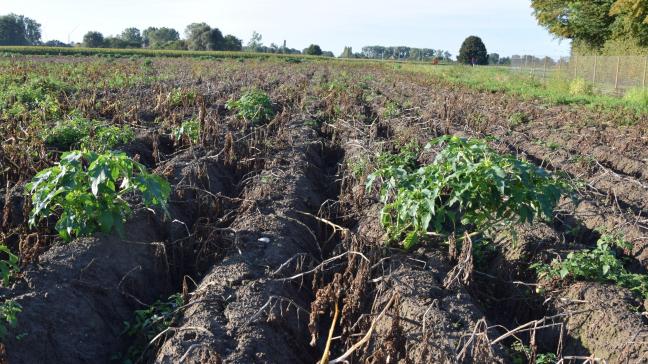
column 150, row 322
column 9, row 266
column 189, row 129
column 8, row 312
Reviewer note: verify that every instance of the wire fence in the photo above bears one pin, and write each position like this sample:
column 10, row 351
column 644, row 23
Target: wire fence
column 608, row 74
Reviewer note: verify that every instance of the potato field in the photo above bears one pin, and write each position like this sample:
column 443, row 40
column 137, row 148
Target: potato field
column 287, row 210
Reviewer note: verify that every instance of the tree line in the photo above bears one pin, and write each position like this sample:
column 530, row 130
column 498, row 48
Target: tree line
column 197, row 37
column 405, row 53
column 20, row 30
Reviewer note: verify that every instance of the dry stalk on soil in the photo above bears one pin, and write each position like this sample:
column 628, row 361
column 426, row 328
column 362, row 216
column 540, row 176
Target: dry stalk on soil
column 321, row 266
column 270, row 305
column 463, row 271
column 367, row 336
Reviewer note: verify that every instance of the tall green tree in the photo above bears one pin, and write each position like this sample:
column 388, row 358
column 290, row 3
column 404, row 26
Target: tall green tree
column 202, row 37
column 473, row 51
column 637, row 9
column 32, row 30
column 586, row 21
column 631, row 21
column 313, row 50
column 213, row 40
column 132, row 36
column 255, row 44
column 93, row 39
column 347, row 53
column 595, row 24
column 158, row 38
column 194, row 36
column 11, row 31
column 19, row 30
column 231, row 43
column 493, row 58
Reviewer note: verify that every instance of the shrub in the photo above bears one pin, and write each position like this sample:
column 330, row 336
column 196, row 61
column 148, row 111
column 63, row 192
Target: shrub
column 580, row 87
column 179, row 97
column 88, row 190
column 518, row 118
column 93, row 40
column 600, row 264
column 69, row 133
column 468, row 187
column 313, row 50
column 108, row 137
column 254, row 106
column 390, row 110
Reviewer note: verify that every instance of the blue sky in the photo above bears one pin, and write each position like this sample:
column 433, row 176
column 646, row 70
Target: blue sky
column 506, row 26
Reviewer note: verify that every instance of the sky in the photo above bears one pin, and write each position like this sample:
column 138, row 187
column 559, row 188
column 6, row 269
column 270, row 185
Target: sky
column 507, row 27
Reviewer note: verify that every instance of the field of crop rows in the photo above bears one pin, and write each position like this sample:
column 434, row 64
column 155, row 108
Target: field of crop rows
column 308, row 222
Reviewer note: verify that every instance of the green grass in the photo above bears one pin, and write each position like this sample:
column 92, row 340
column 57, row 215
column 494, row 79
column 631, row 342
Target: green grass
column 555, row 90
column 637, row 96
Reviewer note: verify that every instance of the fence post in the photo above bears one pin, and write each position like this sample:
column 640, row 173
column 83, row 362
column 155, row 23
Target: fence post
column 525, row 63
column 544, row 71
column 595, row 64
column 616, row 76
column 533, row 65
column 643, row 83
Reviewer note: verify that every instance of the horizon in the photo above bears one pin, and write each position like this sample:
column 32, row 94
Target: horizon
column 507, row 27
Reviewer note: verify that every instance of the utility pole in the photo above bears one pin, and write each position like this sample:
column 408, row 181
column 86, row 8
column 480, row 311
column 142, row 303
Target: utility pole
column 70, row 33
